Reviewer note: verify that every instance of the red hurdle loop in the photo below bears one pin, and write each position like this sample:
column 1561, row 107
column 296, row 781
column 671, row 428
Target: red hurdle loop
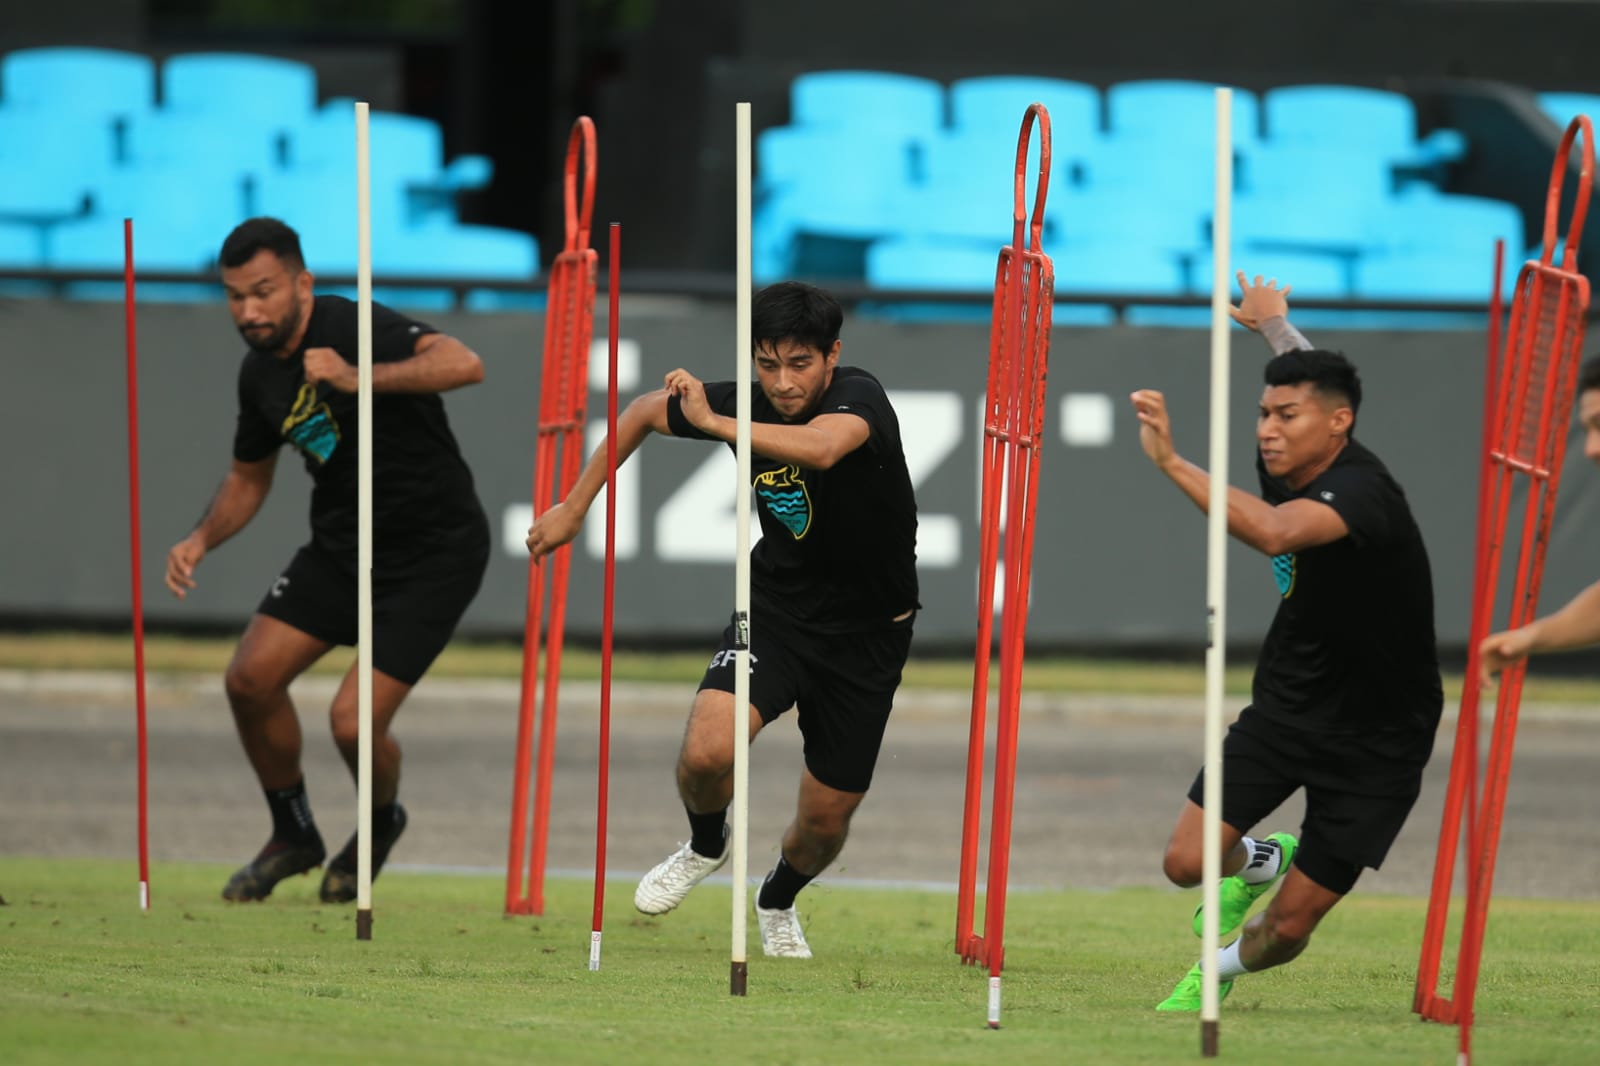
column 563, row 390
column 1019, row 350
column 1526, row 436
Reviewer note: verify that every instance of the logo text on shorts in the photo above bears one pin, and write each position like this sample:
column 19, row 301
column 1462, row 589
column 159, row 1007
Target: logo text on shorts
column 726, row 656
column 279, row 585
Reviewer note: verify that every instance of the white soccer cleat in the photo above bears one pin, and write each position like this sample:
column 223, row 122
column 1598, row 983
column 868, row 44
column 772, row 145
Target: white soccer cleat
column 781, row 935
column 664, row 887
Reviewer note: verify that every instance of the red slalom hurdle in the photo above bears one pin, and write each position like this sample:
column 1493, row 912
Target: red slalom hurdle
column 1019, row 351
column 1525, row 437
column 130, row 336
column 563, row 392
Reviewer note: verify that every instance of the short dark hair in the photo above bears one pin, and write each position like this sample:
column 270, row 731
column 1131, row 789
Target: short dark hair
column 1589, row 375
column 1329, row 374
column 262, row 234
column 795, row 311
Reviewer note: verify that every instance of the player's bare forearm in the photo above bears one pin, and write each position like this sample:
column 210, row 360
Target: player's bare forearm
column 236, row 501
column 1251, row 519
column 1281, row 336
column 1576, row 625
column 440, row 363
column 816, row 445
column 645, row 415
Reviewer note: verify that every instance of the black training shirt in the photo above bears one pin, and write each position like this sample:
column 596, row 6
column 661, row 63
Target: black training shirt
column 1351, row 648
column 838, row 547
column 422, row 494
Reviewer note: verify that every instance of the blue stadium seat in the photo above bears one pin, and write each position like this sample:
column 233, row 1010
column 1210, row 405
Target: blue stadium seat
column 1427, row 274
column 1312, row 276
column 1466, row 226
column 49, row 163
column 1133, row 215
column 801, row 203
column 504, row 301
column 1317, row 174
column 406, row 155
column 217, row 143
column 952, row 266
column 21, row 246
column 1180, row 113
column 866, row 99
column 1381, row 123
column 80, row 81
column 938, row 265
column 456, row 251
column 1333, row 224
column 968, row 187
column 998, row 103
column 248, row 89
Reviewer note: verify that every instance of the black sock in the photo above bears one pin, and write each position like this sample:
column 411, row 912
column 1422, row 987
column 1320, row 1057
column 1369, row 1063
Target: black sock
column 383, row 818
column 291, row 813
column 781, row 886
column 706, row 835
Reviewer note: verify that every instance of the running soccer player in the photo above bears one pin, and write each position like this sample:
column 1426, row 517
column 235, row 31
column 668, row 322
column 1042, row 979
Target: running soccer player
column 1346, row 697
column 297, row 384
column 833, row 591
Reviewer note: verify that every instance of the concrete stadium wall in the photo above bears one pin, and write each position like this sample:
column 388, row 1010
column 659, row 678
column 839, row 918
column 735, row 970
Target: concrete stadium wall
column 1120, row 554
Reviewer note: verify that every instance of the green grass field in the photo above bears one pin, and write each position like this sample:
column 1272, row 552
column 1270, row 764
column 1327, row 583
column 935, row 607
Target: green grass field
column 448, row 979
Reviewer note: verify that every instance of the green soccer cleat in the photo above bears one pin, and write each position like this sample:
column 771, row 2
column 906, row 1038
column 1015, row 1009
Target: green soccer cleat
column 1186, row 996
column 1235, row 897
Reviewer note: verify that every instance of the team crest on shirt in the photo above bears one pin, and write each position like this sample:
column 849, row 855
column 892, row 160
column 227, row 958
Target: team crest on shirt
column 1285, row 568
column 310, row 426
column 787, row 500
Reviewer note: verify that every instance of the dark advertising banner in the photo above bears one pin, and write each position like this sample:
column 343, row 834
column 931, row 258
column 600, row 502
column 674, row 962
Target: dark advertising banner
column 1119, row 557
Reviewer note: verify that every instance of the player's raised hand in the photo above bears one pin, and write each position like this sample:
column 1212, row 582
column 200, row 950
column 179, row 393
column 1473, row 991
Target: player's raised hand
column 1155, row 427
column 1259, row 301
column 325, row 364
column 181, row 561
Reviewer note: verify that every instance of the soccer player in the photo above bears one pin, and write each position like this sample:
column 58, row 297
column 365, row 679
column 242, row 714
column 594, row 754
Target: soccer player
column 1346, row 695
column 833, row 591
column 297, row 384
column 1576, row 625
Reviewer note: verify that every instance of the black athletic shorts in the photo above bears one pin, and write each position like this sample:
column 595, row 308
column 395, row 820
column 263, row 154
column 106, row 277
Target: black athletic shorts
column 842, row 684
column 414, row 611
column 1359, row 790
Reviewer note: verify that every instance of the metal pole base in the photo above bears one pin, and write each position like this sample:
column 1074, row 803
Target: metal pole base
column 364, row 924
column 738, row 972
column 1208, row 1039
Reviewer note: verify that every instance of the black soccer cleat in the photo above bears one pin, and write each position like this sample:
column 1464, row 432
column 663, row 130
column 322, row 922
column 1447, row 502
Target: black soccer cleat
column 279, row 859
column 339, row 882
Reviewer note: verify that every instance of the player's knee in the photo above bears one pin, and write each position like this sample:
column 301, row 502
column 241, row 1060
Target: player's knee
column 1289, row 929
column 248, row 686
column 700, row 762
column 1181, row 867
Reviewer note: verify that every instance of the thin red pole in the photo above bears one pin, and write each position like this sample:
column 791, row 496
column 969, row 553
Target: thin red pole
column 608, row 596
column 136, row 553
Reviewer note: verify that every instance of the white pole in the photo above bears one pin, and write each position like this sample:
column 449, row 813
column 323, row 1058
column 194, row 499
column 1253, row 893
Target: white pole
column 1216, row 567
column 740, row 838
column 364, row 529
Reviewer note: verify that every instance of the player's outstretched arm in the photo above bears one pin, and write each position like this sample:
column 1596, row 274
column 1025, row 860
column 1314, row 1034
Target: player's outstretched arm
column 1577, row 625
column 561, row 523
column 237, row 500
column 1264, row 308
column 1272, row 530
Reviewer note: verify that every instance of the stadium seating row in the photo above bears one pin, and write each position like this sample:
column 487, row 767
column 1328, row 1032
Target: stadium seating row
column 910, row 185
column 84, row 142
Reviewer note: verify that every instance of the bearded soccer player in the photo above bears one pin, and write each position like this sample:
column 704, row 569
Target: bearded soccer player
column 297, row 385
